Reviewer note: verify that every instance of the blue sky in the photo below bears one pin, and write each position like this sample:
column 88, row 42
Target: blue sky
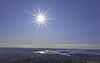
column 72, row 22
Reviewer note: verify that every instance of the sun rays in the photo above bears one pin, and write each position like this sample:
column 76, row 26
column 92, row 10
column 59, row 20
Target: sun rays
column 40, row 19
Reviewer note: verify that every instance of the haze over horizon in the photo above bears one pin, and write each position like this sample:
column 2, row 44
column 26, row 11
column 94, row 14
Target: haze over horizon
column 72, row 24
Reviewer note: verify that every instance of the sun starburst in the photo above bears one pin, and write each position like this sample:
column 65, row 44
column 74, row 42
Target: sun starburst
column 40, row 18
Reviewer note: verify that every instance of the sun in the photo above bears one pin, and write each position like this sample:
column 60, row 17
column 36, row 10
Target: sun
column 40, row 18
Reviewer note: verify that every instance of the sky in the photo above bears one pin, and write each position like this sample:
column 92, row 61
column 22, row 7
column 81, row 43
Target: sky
column 72, row 24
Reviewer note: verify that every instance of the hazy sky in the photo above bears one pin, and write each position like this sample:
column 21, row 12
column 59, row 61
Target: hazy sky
column 72, row 22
